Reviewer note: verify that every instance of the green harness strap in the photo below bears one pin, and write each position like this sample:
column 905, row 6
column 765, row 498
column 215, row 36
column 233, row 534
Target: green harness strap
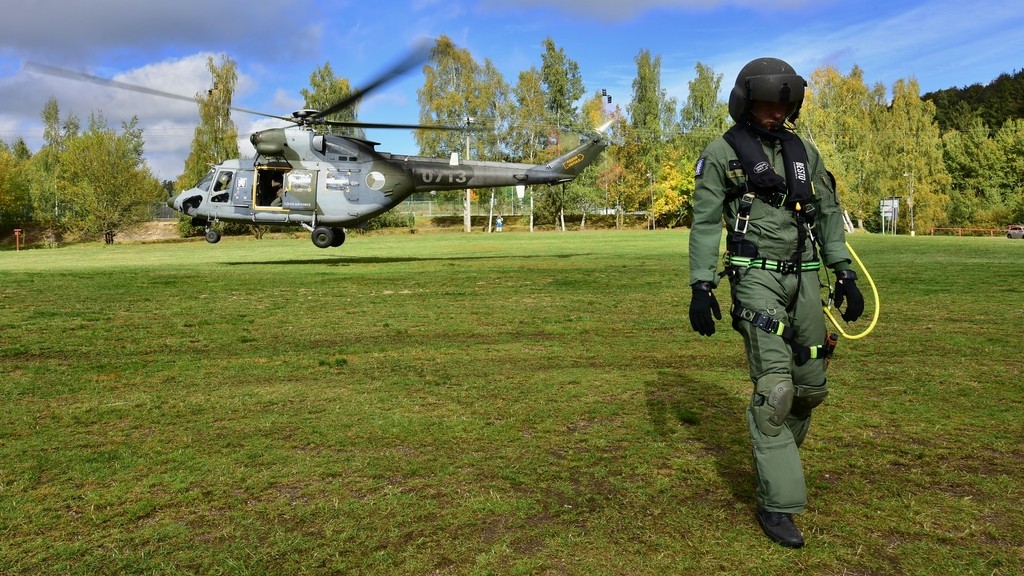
column 772, row 326
column 782, row 266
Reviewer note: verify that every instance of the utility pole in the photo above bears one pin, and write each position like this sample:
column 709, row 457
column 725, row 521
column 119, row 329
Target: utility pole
column 910, row 200
column 467, row 204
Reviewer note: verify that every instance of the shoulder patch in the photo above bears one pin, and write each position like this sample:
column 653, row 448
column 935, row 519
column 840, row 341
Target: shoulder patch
column 700, row 168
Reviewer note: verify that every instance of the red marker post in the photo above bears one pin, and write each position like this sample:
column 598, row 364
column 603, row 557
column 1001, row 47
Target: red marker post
column 17, row 239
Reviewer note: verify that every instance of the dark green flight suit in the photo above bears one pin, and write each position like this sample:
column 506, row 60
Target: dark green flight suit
column 779, row 413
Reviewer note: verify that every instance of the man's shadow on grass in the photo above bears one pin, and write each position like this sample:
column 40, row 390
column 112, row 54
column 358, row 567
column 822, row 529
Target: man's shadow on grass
column 696, row 407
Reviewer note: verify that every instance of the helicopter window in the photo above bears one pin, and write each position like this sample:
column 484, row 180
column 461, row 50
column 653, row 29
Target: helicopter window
column 223, row 181
column 334, row 149
column 222, row 186
column 204, row 184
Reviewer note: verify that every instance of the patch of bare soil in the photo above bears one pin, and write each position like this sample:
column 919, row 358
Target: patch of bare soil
column 150, row 231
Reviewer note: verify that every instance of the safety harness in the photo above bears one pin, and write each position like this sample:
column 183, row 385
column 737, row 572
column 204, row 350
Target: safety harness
column 770, row 325
column 794, row 192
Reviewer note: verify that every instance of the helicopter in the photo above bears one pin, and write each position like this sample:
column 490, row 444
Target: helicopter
column 326, row 183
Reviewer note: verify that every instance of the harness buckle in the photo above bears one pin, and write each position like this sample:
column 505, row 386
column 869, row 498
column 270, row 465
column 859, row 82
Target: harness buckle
column 788, row 267
column 743, row 214
column 766, row 322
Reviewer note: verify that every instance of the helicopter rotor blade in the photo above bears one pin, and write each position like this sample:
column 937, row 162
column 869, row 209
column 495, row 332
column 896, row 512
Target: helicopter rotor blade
column 345, row 124
column 82, row 76
column 421, row 53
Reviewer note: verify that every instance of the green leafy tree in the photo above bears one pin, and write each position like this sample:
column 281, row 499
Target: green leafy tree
column 1009, row 140
column 452, row 75
column 563, row 85
column 15, row 201
column 327, row 90
column 107, row 183
column 845, row 119
column 994, row 103
column 973, row 161
column 493, row 103
column 702, row 118
column 216, row 136
column 645, row 110
column 646, row 137
column 49, row 206
column 527, row 133
column 913, row 167
column 458, row 91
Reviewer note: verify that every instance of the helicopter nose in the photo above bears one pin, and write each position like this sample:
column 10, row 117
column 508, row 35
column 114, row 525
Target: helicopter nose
column 174, row 202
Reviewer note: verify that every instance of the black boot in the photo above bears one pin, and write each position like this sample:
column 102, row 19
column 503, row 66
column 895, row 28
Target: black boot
column 779, row 527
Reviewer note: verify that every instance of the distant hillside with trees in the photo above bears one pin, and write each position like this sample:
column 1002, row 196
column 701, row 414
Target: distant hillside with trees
column 994, row 103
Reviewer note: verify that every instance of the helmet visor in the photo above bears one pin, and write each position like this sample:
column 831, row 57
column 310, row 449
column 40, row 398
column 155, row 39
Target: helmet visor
column 786, row 88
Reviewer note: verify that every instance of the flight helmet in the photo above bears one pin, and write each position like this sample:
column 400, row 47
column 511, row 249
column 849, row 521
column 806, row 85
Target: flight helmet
column 768, row 80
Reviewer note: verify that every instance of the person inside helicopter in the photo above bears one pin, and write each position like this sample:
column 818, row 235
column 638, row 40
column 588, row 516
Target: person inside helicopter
column 278, row 191
column 223, row 181
column 221, row 187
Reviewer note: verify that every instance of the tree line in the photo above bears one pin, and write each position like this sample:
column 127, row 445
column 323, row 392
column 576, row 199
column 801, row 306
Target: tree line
column 949, row 159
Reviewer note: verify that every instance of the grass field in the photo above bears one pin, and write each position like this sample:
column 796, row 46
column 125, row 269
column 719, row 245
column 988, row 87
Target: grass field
column 487, row 404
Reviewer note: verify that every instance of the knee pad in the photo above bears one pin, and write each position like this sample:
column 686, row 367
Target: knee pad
column 808, row 398
column 771, row 403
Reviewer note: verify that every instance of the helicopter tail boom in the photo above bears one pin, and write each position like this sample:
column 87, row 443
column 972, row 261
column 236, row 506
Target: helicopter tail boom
column 431, row 174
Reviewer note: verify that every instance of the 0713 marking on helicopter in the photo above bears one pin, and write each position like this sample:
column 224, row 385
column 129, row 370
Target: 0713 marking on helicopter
column 429, row 176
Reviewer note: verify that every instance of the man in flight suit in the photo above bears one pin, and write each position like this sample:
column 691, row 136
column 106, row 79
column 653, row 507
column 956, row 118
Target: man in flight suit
column 783, row 223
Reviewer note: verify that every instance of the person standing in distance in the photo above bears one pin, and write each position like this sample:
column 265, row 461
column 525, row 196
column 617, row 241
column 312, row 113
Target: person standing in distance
column 783, row 222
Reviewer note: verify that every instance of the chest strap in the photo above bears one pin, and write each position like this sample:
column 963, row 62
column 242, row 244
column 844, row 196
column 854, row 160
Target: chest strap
column 765, row 322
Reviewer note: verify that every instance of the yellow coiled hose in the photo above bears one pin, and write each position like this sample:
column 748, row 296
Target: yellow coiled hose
column 874, row 291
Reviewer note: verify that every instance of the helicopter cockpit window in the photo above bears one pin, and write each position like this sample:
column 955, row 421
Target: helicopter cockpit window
column 204, row 184
column 222, row 187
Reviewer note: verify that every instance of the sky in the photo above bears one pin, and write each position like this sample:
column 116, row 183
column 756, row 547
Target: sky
column 277, row 45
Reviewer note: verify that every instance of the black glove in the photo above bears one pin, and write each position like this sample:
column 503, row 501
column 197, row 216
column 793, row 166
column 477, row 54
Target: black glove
column 702, row 305
column 846, row 289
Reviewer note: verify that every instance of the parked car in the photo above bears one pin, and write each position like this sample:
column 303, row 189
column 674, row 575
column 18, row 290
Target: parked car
column 1015, row 231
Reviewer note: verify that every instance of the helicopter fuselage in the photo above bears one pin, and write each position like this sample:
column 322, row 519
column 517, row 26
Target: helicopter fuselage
column 328, row 182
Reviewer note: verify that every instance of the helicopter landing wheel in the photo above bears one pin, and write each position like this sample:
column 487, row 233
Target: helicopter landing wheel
column 212, row 236
column 339, row 237
column 323, row 237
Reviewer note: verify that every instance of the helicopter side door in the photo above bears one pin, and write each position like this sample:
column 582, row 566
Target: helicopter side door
column 286, row 190
column 241, row 192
